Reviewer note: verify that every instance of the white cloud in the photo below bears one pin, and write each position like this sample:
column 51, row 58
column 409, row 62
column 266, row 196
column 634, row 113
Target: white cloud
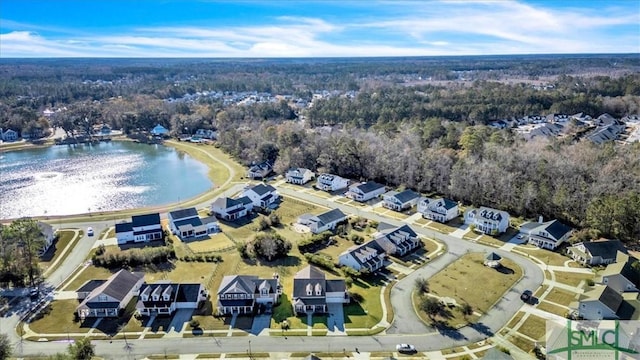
column 407, row 29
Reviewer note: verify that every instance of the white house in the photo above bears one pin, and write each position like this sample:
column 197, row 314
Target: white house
column 596, row 252
column 261, row 195
column 231, row 209
column 10, row 135
column 186, row 223
column 106, row 298
column 400, row 201
column 546, row 235
column 159, row 130
column 487, row 220
column 299, row 176
column 48, row 235
column 260, row 171
column 142, row 228
column 242, row 294
column 164, row 298
column 313, row 292
column 600, row 303
column 329, row 182
column 366, row 257
column 206, row 134
column 440, row 209
column 365, row 191
column 323, row 222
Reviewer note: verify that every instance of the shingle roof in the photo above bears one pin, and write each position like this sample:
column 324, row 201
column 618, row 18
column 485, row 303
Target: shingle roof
column 605, row 249
column 331, row 216
column 369, row 186
column 406, row 195
column 183, row 213
column 262, row 189
column 609, row 297
column 118, row 286
column 145, row 220
column 309, row 272
column 554, row 227
column 623, row 268
column 226, row 202
column 239, row 284
column 90, row 285
column 124, row 227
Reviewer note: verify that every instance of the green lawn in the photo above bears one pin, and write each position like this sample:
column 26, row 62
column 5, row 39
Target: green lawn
column 215, row 242
column 368, row 312
column 58, row 317
column 65, row 237
column 460, row 281
column 89, row 273
column 179, row 271
column 560, row 296
column 290, row 209
column 452, row 316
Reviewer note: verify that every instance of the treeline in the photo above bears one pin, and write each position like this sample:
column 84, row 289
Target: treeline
column 579, row 183
column 21, row 243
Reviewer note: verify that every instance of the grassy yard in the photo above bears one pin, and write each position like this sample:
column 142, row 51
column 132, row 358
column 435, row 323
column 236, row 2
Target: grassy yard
column 460, row 281
column 514, row 320
column 524, row 344
column 218, row 173
column 572, row 279
column 422, row 221
column 89, row 273
column 551, row 308
column 179, row 271
column 65, row 237
column 368, row 312
column 561, row 297
column 290, row 209
column 215, row 242
column 452, row 316
column 443, row 228
column 534, row 327
column 548, row 257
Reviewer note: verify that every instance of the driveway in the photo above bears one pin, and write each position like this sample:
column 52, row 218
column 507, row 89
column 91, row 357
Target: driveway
column 180, row 317
column 335, row 319
column 260, row 323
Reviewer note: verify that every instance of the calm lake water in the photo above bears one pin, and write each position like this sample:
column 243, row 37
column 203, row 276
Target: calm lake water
column 63, row 180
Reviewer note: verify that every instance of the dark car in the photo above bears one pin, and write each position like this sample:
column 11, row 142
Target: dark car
column 34, row 294
column 526, row 296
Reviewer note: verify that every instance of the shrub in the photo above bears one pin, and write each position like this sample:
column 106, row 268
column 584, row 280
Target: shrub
column 133, row 257
column 320, row 260
column 590, row 282
column 195, row 324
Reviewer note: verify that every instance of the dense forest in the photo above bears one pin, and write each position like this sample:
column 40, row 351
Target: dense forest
column 418, row 123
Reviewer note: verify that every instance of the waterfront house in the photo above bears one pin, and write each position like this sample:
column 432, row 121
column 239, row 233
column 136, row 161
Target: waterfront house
column 243, row 294
column 367, row 257
column 159, row 130
column 365, row 191
column 186, row 223
column 206, row 134
column 231, row 209
column 439, row 209
column 10, row 135
column 329, row 182
column 323, row 222
column 299, row 176
column 400, row 201
column 164, row 298
column 487, row 220
column 48, row 235
column 107, row 298
column 142, row 228
column 600, row 303
column 546, row 235
column 261, row 195
column 313, row 293
column 260, row 171
column 596, row 252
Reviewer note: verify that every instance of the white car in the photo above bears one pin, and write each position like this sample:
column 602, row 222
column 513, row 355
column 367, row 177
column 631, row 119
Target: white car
column 405, row 348
column 89, row 231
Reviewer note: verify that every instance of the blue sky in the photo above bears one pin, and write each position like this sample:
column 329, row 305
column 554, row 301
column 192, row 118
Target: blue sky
column 210, row 28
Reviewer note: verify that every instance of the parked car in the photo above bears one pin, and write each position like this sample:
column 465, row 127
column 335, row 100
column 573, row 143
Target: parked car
column 89, row 231
column 526, row 296
column 34, row 294
column 405, row 348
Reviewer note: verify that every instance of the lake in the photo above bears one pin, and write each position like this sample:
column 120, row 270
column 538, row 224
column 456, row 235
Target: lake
column 64, row 180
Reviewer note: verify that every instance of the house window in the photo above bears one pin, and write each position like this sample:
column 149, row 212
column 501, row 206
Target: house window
column 102, row 298
column 235, row 296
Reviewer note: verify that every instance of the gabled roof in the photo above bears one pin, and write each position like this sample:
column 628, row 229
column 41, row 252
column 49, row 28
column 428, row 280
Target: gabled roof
column 118, row 286
column 309, row 272
column 607, row 249
column 245, row 200
column 262, row 189
column 493, row 257
column 183, row 213
column 331, row 216
column 404, row 196
column 45, row 229
column 622, row 268
column 606, row 295
column 124, row 227
column 238, row 284
column 226, row 202
column 369, row 186
column 491, row 214
column 90, row 285
column 297, row 172
column 145, row 220
column 554, row 228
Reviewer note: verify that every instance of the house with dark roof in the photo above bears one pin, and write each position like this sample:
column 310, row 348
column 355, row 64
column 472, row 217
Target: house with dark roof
column 260, row 171
column 546, row 235
column 367, row 257
column 487, row 220
column 186, row 223
column 142, row 228
column 261, row 195
column 400, row 201
column 164, row 298
column 323, row 222
column 299, row 176
column 621, row 276
column 596, row 252
column 243, row 294
column 159, row 130
column 399, row 241
column 107, row 298
column 329, row 182
column 365, row 191
column 312, row 291
column 231, row 209
column 600, row 303
column 438, row 209
column 48, row 235
column 10, row 135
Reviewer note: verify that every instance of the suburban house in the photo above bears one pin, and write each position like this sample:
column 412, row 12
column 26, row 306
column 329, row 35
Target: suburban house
column 487, row 220
column 596, row 252
column 159, row 130
column 329, row 182
column 621, row 276
column 399, row 241
column 163, row 298
column 299, row 176
column 187, row 224
column 106, row 298
column 602, row 302
column 365, row 191
column 206, row 134
column 240, row 294
column 366, row 257
column 231, row 209
column 400, row 201
column 440, row 209
column 9, row 135
column 312, row 292
column 323, row 222
column 546, row 235
column 261, row 195
column 48, row 235
column 260, row 171
column 142, row 228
